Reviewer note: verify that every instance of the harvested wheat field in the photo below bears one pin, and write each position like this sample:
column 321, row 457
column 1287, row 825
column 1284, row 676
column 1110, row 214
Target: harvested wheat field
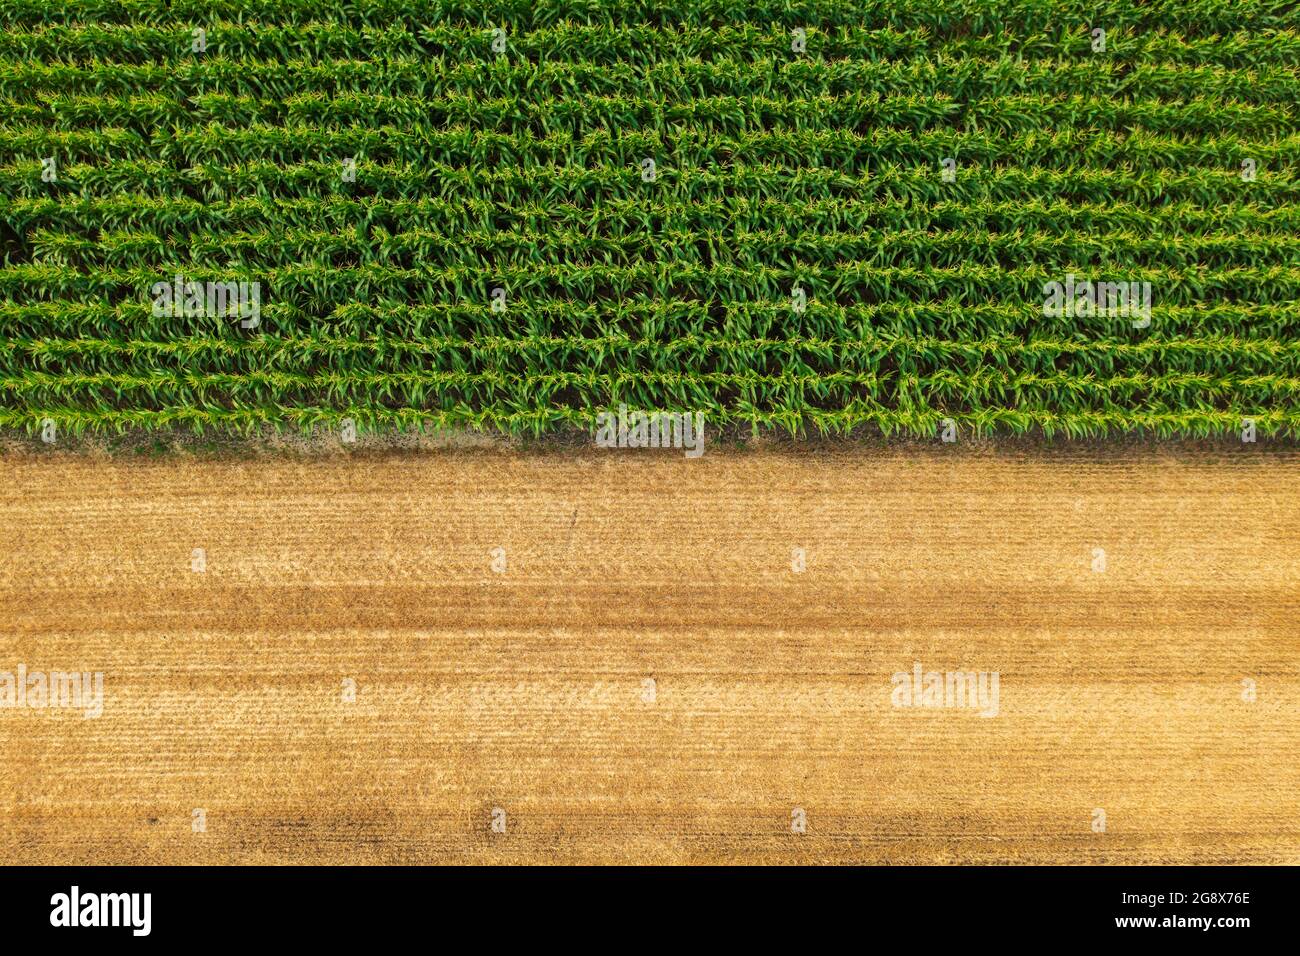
column 641, row 674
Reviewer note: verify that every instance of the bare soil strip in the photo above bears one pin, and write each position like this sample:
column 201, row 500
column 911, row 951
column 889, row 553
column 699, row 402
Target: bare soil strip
column 529, row 690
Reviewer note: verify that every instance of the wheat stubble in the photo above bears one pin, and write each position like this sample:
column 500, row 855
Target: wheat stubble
column 1120, row 690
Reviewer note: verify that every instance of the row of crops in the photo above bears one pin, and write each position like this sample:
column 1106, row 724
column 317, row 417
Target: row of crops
column 813, row 216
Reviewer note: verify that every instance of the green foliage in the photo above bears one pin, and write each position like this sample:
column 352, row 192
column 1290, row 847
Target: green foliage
column 774, row 170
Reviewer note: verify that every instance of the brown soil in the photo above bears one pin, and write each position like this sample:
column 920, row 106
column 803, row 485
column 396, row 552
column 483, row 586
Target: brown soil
column 1120, row 690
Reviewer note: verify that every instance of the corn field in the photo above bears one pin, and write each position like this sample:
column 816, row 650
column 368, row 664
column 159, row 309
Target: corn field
column 813, row 216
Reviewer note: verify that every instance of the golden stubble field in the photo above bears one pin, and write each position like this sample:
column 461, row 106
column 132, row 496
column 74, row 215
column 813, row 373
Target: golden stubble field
column 644, row 676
